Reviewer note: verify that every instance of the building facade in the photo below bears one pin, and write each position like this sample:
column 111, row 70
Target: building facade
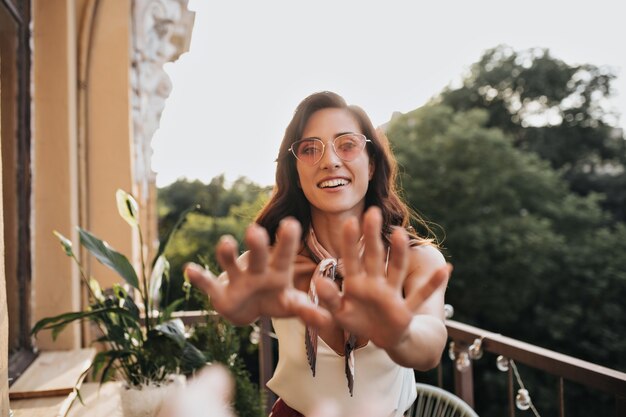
column 82, row 91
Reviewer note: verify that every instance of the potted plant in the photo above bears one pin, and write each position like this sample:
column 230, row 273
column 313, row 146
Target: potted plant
column 141, row 343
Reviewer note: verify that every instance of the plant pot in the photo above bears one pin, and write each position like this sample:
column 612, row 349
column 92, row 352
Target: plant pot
column 147, row 400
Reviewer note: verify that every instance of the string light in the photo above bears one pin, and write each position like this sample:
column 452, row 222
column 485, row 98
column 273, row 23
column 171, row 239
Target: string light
column 502, row 363
column 451, row 353
column 476, row 349
column 463, row 359
column 522, row 399
column 255, row 334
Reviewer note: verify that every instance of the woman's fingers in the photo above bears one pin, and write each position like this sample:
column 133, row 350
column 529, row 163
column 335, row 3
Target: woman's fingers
column 374, row 249
column 257, row 242
column 287, row 243
column 226, row 254
column 328, row 293
column 203, row 280
column 398, row 258
column 299, row 304
column 421, row 293
column 350, row 247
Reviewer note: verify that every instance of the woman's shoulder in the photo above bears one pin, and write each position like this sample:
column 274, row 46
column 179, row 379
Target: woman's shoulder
column 426, row 254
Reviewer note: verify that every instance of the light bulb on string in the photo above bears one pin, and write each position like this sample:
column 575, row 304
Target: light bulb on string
column 502, row 363
column 451, row 353
column 476, row 349
column 255, row 335
column 522, row 399
column 448, row 311
column 462, row 362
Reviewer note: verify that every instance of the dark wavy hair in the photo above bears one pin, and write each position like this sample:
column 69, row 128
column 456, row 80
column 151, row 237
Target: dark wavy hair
column 288, row 199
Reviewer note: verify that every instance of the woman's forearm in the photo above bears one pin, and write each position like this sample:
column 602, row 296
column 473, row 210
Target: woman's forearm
column 422, row 344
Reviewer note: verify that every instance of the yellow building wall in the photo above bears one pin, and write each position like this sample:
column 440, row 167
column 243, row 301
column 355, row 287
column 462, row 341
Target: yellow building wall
column 55, row 280
column 109, row 158
column 82, row 148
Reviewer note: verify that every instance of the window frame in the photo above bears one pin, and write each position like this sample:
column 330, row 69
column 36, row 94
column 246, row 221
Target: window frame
column 20, row 12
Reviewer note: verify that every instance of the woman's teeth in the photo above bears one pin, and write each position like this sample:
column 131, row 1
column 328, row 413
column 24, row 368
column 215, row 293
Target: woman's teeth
column 333, row 183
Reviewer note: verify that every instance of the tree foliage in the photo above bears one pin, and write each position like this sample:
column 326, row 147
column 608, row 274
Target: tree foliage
column 223, row 210
column 198, row 237
column 215, row 198
column 529, row 254
column 557, row 110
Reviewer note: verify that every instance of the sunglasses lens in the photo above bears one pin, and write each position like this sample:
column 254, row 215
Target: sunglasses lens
column 349, row 146
column 309, row 151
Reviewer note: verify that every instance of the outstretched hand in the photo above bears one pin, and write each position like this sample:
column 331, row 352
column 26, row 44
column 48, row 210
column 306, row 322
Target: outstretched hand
column 262, row 287
column 372, row 304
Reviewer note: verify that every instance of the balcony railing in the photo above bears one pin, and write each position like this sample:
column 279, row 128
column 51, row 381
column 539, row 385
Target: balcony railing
column 562, row 366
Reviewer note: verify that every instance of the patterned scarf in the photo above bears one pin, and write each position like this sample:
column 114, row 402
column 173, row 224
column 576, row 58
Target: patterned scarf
column 330, row 268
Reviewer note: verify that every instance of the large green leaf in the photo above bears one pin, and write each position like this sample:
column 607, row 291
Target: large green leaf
column 192, row 358
column 108, row 358
column 130, row 305
column 109, row 257
column 173, row 330
column 58, row 323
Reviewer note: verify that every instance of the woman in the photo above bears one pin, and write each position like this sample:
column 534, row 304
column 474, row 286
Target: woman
column 335, row 213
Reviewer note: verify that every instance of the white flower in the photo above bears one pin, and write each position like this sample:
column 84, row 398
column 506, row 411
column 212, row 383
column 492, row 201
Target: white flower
column 127, row 207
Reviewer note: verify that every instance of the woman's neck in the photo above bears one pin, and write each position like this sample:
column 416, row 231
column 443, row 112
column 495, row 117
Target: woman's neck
column 327, row 227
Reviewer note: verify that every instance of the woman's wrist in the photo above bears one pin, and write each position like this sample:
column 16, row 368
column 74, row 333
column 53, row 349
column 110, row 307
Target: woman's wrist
column 421, row 344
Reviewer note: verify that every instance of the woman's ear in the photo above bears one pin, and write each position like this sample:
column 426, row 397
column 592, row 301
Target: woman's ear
column 372, row 168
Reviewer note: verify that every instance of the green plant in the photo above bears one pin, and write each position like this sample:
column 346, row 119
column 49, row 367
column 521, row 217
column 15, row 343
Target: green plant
column 224, row 343
column 140, row 349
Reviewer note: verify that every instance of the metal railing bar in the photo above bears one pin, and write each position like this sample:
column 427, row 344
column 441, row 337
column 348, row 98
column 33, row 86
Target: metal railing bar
column 583, row 372
column 561, row 388
column 511, row 391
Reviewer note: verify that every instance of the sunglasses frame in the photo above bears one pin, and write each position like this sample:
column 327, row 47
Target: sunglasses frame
column 293, row 146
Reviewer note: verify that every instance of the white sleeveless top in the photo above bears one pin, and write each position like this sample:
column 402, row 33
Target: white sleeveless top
column 378, row 379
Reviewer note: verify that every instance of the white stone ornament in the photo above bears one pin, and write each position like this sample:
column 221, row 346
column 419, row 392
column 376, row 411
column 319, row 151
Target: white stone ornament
column 161, row 34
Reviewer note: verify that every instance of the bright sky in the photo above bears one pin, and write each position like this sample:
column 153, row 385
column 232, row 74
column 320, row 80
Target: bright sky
column 251, row 62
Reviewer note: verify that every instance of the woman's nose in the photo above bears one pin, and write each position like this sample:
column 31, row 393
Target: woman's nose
column 330, row 157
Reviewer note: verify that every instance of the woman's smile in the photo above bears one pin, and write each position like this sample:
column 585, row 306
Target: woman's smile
column 334, row 183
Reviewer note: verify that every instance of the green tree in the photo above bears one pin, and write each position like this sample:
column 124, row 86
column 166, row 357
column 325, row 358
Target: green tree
column 215, row 198
column 197, row 240
column 528, row 253
column 555, row 109
column 223, row 211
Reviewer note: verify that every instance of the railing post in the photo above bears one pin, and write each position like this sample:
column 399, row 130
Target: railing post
column 464, row 380
column 266, row 362
column 620, row 406
column 561, row 398
column 510, row 388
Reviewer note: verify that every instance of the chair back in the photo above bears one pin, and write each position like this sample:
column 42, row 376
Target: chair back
column 436, row 402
